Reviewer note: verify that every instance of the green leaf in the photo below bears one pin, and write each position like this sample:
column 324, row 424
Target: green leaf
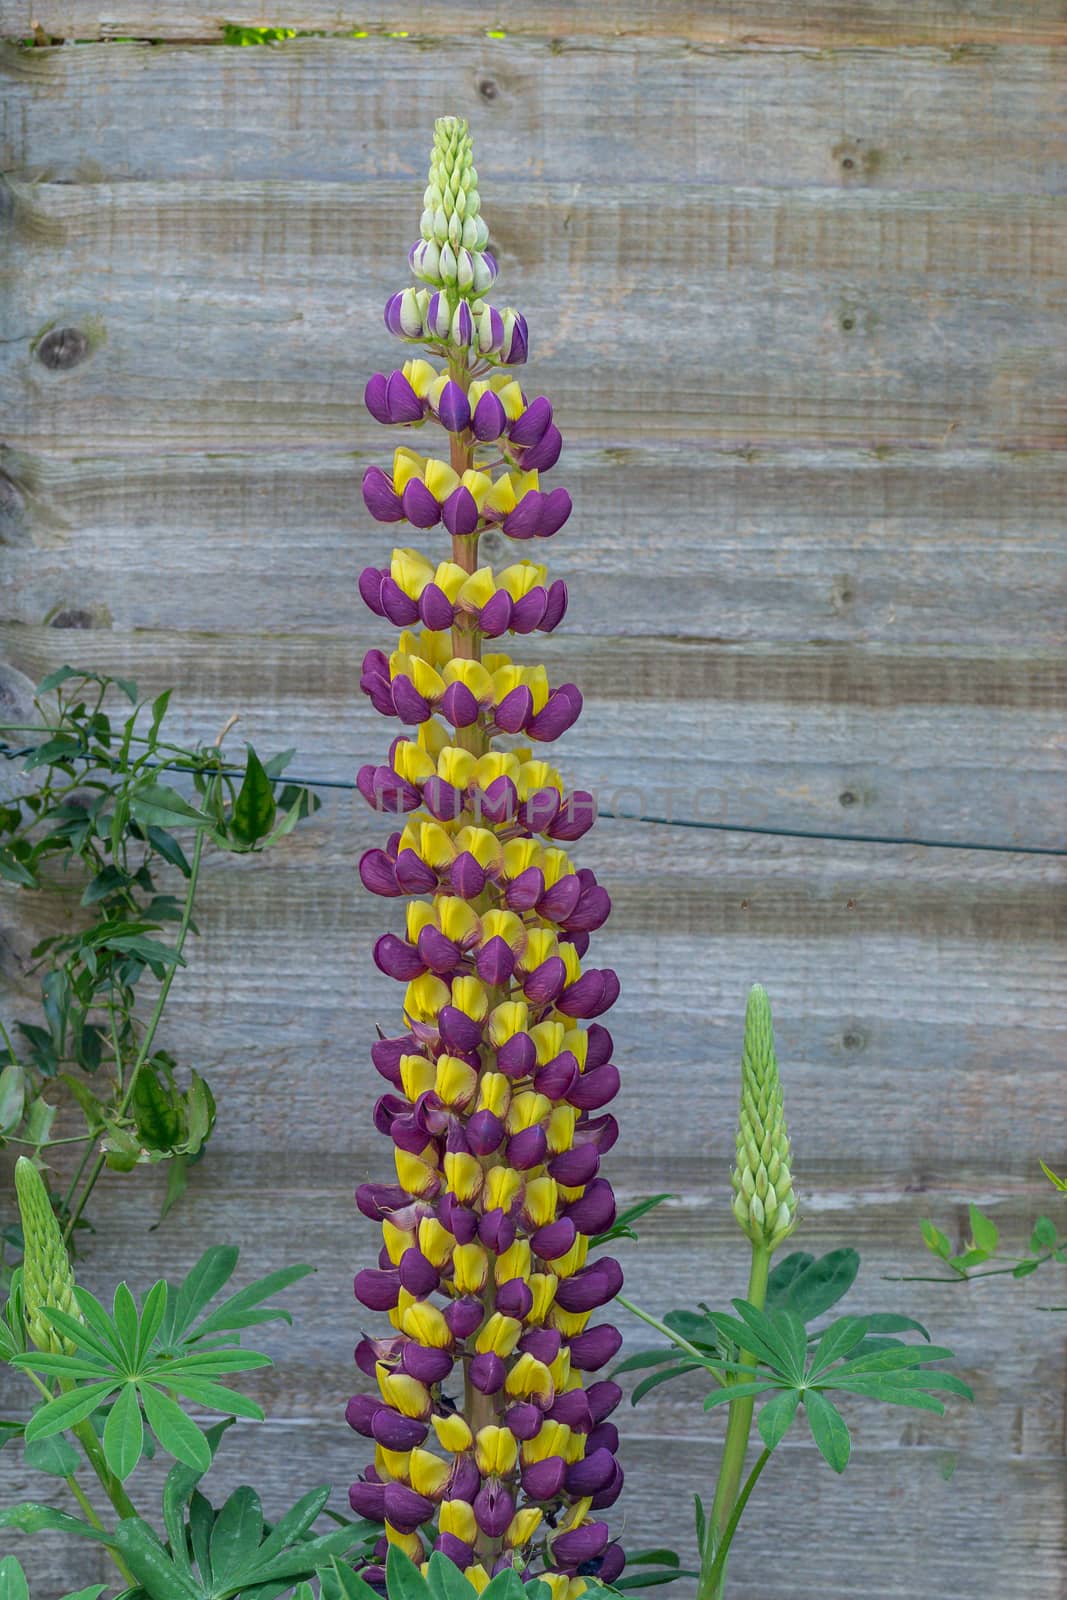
column 181, row 1481
column 253, row 810
column 13, row 871
column 507, row 1585
column 54, row 679
column 152, row 1313
column 984, row 1231
column 403, row 1579
column 741, row 1391
column 177, row 1183
column 295, row 1523
column 811, row 1288
column 107, row 880
column 828, row 1429
column 694, row 1326
column 159, row 711
column 339, row 1582
column 445, row 1580
column 1023, row 1269
column 239, row 1310
column 66, row 1410
column 216, row 1397
column 201, row 1285
column 235, row 1538
column 54, row 1456
column 652, row 1580
column 162, row 807
column 935, row 1240
column 776, row 1417
column 644, row 1358
column 12, row 1096
column 839, row 1338
column 124, row 1433
column 1044, row 1236
column 648, row 1384
column 893, row 1322
column 13, row 1585
column 150, row 1564
column 94, row 1591
column 167, row 846
column 157, row 1109
column 655, row 1558
column 622, row 1227
column 29, row 1517
column 124, row 1316
column 768, row 1337
column 176, row 1432
column 199, row 1113
column 201, row 1522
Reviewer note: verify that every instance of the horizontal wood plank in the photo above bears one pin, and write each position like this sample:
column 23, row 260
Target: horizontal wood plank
column 831, row 22
column 334, row 109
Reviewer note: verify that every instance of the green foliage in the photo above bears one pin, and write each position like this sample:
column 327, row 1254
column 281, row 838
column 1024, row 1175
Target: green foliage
column 973, row 1261
column 136, row 1363
column 622, row 1227
column 443, row 1581
column 13, row 1585
column 99, row 829
column 848, row 1357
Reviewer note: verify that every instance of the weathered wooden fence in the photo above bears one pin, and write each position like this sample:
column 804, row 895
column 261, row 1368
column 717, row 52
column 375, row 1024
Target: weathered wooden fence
column 795, row 279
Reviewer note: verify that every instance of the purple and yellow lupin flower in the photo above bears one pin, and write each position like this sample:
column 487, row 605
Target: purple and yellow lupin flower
column 490, row 1427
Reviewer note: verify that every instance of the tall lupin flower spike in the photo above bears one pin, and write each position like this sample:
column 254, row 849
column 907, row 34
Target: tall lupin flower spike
column 494, row 1084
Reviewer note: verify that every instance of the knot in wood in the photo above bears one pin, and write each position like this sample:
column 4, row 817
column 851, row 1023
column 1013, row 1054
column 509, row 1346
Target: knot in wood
column 62, row 349
column 487, row 89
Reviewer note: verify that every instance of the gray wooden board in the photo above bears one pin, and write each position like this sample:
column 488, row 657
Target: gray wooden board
column 832, row 22
column 798, row 303
column 913, row 119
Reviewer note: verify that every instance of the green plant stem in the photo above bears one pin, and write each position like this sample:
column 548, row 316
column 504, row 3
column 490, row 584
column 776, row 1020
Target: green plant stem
column 668, row 1333
column 153, row 1024
column 717, row 1571
column 733, row 1455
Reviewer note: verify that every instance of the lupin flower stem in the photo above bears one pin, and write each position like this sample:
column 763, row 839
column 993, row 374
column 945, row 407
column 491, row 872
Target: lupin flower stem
column 495, row 1082
column 765, row 1208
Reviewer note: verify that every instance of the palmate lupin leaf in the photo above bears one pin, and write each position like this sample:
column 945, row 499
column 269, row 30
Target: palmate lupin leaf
column 845, row 1358
column 143, row 1362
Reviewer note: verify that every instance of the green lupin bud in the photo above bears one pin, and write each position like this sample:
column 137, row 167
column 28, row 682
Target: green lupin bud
column 764, row 1203
column 47, row 1278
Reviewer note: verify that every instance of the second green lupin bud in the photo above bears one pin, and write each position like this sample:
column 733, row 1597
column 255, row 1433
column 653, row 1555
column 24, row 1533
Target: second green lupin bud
column 47, row 1278
column 764, row 1203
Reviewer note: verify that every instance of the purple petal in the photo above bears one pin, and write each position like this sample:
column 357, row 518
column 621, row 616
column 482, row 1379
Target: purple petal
column 514, row 1298
column 571, row 1549
column 453, row 408
column 496, row 961
column 442, row 800
column 576, row 817
column 538, row 812
column 594, row 1211
column 459, row 1031
column 556, row 1079
column 545, row 453
column 605, row 1436
column 459, row 706
column 399, row 607
column 405, row 1509
column 490, row 418
column 437, row 952
column 529, row 611
column 378, row 1291
column 517, row 347
column 543, row 1480
column 575, row 1167
column 460, row 512
column 527, row 890
column 493, row 1508
column 595, row 1088
column 610, row 1493
column 497, row 803
column 525, row 520
column 560, row 712
column 457, row 1551
column 526, row 1149
column 603, row 1398
column 380, row 498
column 465, row 1481
column 592, row 910
column 497, row 1230
column 419, row 505
column 378, row 874
column 545, row 982
column 426, row 1364
column 599, row 1044
column 557, row 509
column 462, row 1222
column 370, row 589
column 514, row 710
column 411, row 707
column 595, row 1347
column 583, row 998
column 413, row 875
column 368, row 1500
column 553, row 1241
column 485, row 1130
column 559, row 903
column 397, row 1432
column 556, row 608
column 495, row 616
column 418, row 1275
column 379, row 1200
column 612, row 1562
column 487, row 1373
column 573, row 1408
column 435, row 608
column 360, row 1411
column 397, row 959
column 517, row 1055
column 524, row 1420
column 386, row 1054
column 374, row 398
column 404, row 403
column 392, row 314
column 467, row 876
column 593, row 1473
column 530, row 427
column 544, row 1344
column 464, row 1317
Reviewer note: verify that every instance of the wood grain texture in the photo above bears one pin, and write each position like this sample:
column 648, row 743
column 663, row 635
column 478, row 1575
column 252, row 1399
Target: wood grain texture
column 916, row 119
column 795, row 281
column 837, row 22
